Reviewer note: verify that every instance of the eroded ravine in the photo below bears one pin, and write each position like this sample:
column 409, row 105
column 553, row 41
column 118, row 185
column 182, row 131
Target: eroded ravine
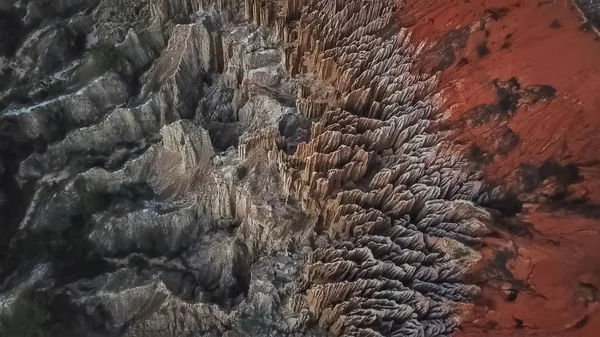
column 393, row 198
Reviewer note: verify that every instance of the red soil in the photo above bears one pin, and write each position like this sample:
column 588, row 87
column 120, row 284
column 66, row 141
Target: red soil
column 544, row 282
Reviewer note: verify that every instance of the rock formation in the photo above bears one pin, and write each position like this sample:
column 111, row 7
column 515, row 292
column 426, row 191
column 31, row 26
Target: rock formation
column 132, row 212
column 381, row 181
column 250, row 168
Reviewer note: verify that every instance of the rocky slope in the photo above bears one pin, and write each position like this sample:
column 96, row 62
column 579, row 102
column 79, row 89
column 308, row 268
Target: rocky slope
column 295, row 168
column 128, row 210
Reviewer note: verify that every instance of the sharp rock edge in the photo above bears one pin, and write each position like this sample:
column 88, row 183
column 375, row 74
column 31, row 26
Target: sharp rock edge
column 385, row 188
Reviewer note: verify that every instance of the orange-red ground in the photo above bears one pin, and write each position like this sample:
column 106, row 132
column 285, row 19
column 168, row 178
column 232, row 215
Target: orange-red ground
column 544, row 282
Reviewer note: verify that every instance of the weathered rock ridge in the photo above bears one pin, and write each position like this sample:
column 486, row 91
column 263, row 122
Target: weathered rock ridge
column 128, row 210
column 387, row 190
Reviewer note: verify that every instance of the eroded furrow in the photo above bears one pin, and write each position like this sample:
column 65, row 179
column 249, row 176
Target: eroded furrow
column 387, row 188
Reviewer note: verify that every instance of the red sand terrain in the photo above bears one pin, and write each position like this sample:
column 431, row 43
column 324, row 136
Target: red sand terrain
column 522, row 83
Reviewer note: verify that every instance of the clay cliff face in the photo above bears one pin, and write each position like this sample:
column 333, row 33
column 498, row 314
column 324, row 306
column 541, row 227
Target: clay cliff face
column 298, row 168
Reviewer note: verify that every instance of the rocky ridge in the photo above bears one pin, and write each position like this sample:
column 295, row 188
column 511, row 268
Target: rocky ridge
column 388, row 191
column 140, row 218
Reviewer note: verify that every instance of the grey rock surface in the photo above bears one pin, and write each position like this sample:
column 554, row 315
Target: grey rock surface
column 126, row 210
